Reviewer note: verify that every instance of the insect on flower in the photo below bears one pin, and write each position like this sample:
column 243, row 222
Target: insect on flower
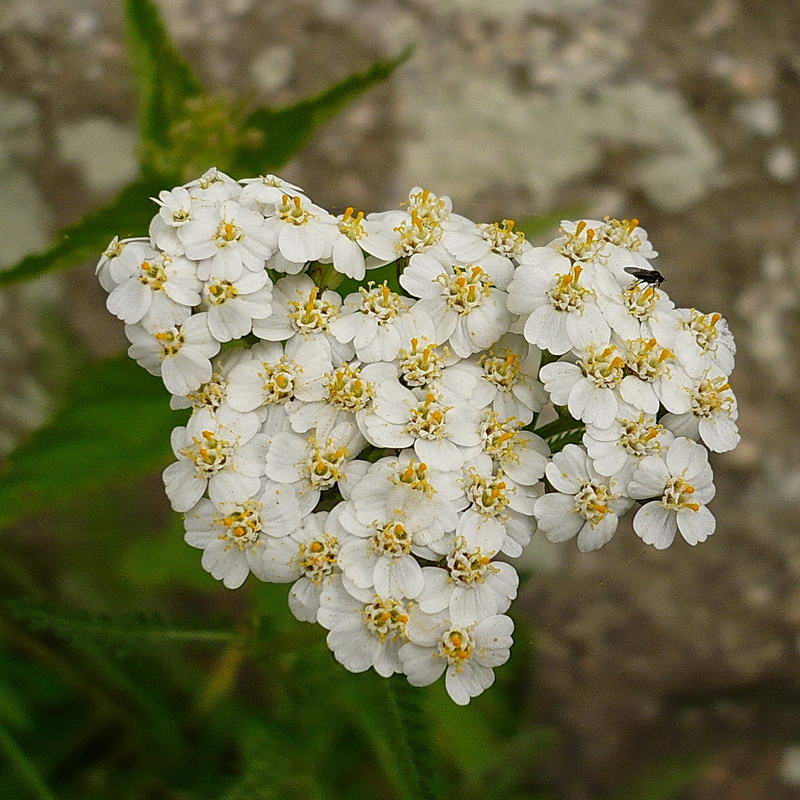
column 650, row 276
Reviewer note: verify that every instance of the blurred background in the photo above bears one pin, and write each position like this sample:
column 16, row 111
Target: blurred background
column 638, row 675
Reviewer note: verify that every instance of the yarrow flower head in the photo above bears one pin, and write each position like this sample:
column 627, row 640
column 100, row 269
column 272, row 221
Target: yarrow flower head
column 387, row 448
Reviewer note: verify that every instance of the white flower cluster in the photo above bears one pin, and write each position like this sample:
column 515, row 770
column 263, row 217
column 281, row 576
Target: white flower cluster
column 378, row 451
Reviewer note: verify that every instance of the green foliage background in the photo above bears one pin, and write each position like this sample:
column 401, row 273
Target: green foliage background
column 162, row 684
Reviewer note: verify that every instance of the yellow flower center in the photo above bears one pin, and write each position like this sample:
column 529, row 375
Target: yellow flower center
column 391, row 539
column 324, row 464
column 386, row 618
column 469, row 566
column 347, row 390
column 420, row 365
column 591, row 502
column 209, row 395
column 208, row 453
column 381, row 302
column 414, row 476
column 710, row 396
column 604, row 369
column 417, row 234
column 352, row 226
column 226, row 233
column 312, row 315
column 640, row 300
column 640, row 436
column 278, row 379
column 678, row 494
column 583, row 244
column 220, row 292
column 456, row 647
column 153, row 274
column 703, row 328
column 502, row 369
column 318, row 557
column 428, row 419
column 646, row 359
column 241, row 528
column 292, row 210
column 171, row 341
column 500, row 437
column 466, row 288
column 488, row 495
column 621, row 233
column 502, row 238
column 568, row 294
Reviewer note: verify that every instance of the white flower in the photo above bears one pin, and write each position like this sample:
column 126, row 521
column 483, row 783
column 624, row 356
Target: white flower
column 380, row 557
column 419, row 228
column 627, row 235
column 557, row 301
column 522, row 455
column 654, row 377
column 152, row 288
column 500, row 511
column 226, row 458
column 213, row 394
column 175, row 206
column 314, row 463
column 423, row 365
column 616, row 450
column 683, row 483
column 364, row 631
column 309, row 557
column 635, row 310
column 585, row 502
column 233, row 304
column 468, row 653
column 590, row 387
column 439, row 426
column 508, row 383
column 227, row 238
column 180, row 355
column 467, row 304
column 700, row 341
column 113, row 250
column 234, row 535
column 352, row 237
column 402, row 481
column 472, row 586
column 300, row 309
column 266, row 192
column 304, row 231
column 213, row 186
column 377, row 321
column 712, row 416
column 493, row 243
column 348, row 395
column 272, row 376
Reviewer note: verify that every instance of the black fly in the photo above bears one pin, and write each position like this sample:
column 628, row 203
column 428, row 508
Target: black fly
column 650, row 276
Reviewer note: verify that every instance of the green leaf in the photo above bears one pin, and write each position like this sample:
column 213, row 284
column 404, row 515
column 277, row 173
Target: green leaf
column 25, row 769
column 128, row 214
column 286, row 130
column 113, row 426
column 164, row 80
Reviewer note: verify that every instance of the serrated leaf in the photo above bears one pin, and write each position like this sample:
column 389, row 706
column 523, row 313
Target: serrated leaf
column 164, row 79
column 286, row 130
column 113, row 426
column 128, row 214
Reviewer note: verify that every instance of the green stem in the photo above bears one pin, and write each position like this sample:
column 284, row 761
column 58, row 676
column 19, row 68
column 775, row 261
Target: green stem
column 414, row 736
column 26, row 770
column 559, row 426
